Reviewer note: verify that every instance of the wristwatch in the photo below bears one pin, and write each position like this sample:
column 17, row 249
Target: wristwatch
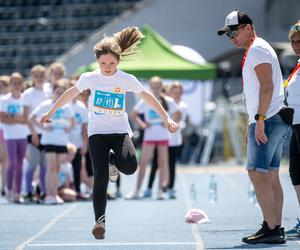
column 260, row 117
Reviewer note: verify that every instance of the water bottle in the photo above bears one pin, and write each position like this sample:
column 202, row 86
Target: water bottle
column 250, row 192
column 213, row 189
column 193, row 192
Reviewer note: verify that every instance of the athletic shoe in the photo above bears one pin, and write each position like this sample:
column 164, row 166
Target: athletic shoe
column 161, row 195
column 295, row 232
column 18, row 199
column 110, row 196
column 112, row 169
column 266, row 235
column 2, row 192
column 118, row 194
column 99, row 228
column 147, row 193
column 172, row 194
column 132, row 196
column 28, row 197
column 50, row 200
column 59, row 200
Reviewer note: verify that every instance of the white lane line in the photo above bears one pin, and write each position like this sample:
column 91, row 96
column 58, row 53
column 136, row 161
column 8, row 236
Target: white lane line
column 45, row 228
column 188, row 202
column 113, row 244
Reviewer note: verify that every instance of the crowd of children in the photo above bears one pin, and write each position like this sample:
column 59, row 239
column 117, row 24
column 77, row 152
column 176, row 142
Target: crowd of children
column 53, row 160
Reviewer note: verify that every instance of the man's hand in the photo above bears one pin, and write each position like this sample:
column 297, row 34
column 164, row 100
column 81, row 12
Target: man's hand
column 260, row 136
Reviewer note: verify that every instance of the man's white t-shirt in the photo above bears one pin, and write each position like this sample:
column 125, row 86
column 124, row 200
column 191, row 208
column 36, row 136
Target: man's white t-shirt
column 107, row 101
column 175, row 139
column 13, row 107
column 60, row 120
column 80, row 118
column 293, row 95
column 33, row 97
column 157, row 131
column 261, row 52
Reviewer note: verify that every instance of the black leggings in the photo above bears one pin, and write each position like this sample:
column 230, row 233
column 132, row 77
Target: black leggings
column 295, row 155
column 125, row 160
column 173, row 152
column 76, row 164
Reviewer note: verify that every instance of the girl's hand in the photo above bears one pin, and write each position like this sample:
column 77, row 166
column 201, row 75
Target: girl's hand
column 45, row 118
column 171, row 125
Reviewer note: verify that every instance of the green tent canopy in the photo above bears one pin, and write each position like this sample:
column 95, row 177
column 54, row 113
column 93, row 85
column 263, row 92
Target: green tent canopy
column 156, row 57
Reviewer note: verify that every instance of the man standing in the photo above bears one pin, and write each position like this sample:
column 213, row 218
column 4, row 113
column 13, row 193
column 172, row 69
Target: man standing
column 266, row 131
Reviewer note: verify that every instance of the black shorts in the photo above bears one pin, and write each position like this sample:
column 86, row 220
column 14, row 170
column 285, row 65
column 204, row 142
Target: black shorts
column 49, row 148
column 40, row 146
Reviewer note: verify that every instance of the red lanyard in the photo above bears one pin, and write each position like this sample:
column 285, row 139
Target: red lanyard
column 286, row 82
column 246, row 53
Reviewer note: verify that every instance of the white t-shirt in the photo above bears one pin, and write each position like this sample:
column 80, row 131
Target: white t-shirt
column 80, row 118
column 293, row 98
column 33, row 97
column 261, row 52
column 60, row 120
column 107, row 101
column 13, row 107
column 157, row 131
column 175, row 139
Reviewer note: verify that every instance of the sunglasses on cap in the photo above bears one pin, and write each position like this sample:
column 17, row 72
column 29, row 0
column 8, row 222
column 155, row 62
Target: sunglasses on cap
column 233, row 33
column 295, row 27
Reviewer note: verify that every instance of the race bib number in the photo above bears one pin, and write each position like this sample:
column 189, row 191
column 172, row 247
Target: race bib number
column 14, row 109
column 108, row 103
column 153, row 117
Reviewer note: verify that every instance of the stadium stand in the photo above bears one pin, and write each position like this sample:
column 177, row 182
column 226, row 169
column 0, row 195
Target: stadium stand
column 36, row 32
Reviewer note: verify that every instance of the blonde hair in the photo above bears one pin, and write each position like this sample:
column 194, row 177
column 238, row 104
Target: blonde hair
column 120, row 44
column 16, row 76
column 57, row 65
column 5, row 80
column 294, row 32
column 176, row 84
column 38, row 69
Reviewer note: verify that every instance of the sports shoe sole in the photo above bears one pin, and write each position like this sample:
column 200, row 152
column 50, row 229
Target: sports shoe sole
column 113, row 174
column 98, row 231
column 269, row 240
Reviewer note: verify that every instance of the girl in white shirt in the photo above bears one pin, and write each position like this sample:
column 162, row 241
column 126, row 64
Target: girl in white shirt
column 15, row 135
column 55, row 137
column 108, row 126
column 33, row 97
column 155, row 135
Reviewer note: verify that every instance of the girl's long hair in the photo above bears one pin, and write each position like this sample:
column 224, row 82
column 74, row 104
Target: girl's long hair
column 120, row 44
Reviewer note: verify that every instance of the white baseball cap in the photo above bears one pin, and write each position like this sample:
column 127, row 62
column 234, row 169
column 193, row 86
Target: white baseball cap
column 233, row 20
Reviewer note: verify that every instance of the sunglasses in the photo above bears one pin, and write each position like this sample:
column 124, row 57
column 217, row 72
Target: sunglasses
column 233, row 33
column 295, row 27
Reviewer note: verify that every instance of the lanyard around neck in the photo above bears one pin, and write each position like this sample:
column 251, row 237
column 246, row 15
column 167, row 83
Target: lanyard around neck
column 247, row 49
column 246, row 53
column 286, row 82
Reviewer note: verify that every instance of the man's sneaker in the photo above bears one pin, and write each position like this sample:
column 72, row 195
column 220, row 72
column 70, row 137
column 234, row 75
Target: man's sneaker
column 99, row 228
column 295, row 232
column 266, row 235
column 113, row 172
column 147, row 193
